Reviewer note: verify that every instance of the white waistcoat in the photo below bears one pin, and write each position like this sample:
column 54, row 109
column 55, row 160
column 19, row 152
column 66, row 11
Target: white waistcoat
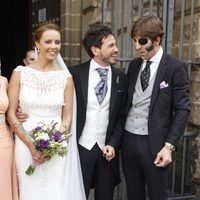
column 97, row 118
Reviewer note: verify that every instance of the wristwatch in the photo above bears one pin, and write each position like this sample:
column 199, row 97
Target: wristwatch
column 170, row 146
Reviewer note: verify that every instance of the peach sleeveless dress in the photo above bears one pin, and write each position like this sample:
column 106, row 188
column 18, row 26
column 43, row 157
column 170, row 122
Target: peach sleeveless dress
column 8, row 181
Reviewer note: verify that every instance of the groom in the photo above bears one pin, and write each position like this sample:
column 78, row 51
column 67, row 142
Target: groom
column 100, row 90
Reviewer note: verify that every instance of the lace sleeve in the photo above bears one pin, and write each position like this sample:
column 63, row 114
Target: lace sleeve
column 67, row 73
column 19, row 68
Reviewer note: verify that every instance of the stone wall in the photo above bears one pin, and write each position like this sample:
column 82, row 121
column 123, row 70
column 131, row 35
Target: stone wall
column 194, row 119
column 76, row 17
column 92, row 13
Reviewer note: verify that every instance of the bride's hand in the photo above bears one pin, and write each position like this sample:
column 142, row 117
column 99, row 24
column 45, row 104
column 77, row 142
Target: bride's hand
column 46, row 158
column 36, row 155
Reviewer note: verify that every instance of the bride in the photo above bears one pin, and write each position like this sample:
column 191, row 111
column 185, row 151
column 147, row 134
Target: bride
column 44, row 90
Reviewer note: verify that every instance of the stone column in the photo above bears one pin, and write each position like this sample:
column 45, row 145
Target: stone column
column 71, row 14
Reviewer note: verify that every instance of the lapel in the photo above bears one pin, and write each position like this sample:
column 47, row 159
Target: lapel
column 84, row 78
column 114, row 89
column 159, row 77
column 133, row 73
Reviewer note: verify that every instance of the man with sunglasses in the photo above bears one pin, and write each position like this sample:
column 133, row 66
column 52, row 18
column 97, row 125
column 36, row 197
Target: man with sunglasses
column 157, row 112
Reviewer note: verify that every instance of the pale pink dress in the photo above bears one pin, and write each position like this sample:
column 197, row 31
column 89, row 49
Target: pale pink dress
column 8, row 182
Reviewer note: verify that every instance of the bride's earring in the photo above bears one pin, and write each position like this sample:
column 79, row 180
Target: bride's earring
column 36, row 53
column 37, row 49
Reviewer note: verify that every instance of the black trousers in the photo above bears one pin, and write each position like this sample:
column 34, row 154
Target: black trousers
column 140, row 171
column 97, row 173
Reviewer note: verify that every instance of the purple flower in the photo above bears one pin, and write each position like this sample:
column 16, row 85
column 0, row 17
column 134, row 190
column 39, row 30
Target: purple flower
column 38, row 128
column 57, row 135
column 44, row 144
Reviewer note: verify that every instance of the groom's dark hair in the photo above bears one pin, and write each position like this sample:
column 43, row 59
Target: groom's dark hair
column 94, row 36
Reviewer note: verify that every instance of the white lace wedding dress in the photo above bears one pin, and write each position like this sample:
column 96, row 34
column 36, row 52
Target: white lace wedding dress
column 42, row 97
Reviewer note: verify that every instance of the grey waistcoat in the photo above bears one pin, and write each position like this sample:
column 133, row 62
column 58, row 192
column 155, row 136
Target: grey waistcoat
column 137, row 119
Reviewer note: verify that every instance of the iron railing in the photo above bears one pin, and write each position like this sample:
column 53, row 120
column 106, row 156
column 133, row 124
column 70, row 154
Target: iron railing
column 123, row 14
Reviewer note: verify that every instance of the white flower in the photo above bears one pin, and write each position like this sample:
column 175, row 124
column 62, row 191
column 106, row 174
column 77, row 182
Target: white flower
column 43, row 136
column 64, row 144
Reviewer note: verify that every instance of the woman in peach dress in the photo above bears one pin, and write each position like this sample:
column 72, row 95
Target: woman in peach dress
column 8, row 182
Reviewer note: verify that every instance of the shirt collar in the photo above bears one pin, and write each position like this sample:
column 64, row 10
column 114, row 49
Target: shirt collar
column 94, row 65
column 157, row 57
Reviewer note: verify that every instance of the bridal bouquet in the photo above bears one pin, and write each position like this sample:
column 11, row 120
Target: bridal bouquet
column 49, row 141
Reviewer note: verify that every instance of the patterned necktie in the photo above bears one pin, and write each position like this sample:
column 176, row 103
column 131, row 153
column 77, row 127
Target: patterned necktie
column 102, row 87
column 145, row 75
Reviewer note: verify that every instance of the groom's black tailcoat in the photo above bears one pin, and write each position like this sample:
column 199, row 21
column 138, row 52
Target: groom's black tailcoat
column 114, row 131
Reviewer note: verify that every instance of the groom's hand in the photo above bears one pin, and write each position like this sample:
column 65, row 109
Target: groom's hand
column 22, row 117
column 108, row 152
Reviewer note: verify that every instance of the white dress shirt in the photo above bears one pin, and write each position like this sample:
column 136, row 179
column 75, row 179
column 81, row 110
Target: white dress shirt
column 155, row 62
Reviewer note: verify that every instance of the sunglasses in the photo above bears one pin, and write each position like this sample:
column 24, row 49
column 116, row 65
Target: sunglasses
column 143, row 41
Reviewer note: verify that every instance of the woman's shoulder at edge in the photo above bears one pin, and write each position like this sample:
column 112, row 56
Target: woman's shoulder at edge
column 4, row 79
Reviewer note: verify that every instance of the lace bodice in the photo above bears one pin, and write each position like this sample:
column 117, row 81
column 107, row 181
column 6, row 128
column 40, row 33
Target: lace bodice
column 42, row 93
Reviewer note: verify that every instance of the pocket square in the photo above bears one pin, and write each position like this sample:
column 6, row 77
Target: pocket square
column 117, row 80
column 164, row 85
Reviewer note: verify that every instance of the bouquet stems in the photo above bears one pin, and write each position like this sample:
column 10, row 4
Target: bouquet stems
column 30, row 169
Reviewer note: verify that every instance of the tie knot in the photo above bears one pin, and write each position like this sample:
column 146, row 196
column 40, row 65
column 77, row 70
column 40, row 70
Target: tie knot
column 103, row 72
column 147, row 66
column 148, row 62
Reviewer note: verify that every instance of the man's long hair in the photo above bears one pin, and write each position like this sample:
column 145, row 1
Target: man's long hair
column 148, row 26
